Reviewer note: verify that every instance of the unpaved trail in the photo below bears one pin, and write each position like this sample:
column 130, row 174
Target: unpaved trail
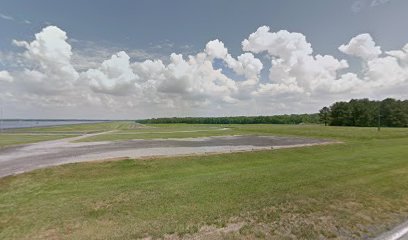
column 14, row 160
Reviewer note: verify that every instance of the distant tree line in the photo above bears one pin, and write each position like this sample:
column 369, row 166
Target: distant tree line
column 366, row 113
column 357, row 112
column 276, row 119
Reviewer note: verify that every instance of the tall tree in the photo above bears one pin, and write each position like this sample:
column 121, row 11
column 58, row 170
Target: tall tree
column 324, row 115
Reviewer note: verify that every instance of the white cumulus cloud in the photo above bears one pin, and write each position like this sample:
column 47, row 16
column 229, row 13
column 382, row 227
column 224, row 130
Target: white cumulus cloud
column 294, row 68
column 5, row 76
column 115, row 76
column 51, row 75
column 362, row 46
column 50, row 66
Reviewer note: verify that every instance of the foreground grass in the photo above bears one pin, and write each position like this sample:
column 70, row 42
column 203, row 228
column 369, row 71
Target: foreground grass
column 351, row 190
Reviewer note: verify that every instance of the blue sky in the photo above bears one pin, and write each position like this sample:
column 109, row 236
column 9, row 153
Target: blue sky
column 138, row 24
column 153, row 30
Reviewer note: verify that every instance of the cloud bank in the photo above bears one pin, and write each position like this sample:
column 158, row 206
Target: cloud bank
column 210, row 82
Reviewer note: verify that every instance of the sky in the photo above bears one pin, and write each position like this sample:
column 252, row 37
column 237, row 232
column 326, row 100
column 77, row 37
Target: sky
column 141, row 59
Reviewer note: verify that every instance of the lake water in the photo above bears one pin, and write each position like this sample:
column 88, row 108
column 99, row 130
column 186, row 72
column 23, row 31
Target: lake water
column 7, row 124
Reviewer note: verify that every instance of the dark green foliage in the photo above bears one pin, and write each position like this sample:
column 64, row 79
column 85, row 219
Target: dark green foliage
column 366, row 113
column 394, row 113
column 356, row 112
column 324, row 115
column 277, row 119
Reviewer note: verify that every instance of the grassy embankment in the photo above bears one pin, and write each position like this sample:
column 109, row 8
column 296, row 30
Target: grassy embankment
column 351, row 190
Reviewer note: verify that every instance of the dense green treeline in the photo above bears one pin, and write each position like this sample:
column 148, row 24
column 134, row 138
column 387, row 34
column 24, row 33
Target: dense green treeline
column 277, row 119
column 366, row 113
column 357, row 112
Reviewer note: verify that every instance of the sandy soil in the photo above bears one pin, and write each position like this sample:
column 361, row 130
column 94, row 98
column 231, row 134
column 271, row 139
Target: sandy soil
column 14, row 160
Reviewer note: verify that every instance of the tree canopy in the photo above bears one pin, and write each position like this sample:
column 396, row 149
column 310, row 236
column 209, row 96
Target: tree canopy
column 357, row 112
column 277, row 119
column 367, row 113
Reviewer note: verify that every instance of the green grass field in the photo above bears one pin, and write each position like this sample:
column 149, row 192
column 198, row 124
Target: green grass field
column 165, row 131
column 77, row 128
column 352, row 190
column 121, row 130
column 17, row 139
column 20, row 136
column 181, row 131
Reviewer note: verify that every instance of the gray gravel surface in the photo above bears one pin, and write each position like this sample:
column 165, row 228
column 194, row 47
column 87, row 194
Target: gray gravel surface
column 24, row 158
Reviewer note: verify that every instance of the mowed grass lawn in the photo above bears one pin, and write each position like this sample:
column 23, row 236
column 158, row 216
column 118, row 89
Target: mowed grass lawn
column 154, row 131
column 17, row 139
column 12, row 137
column 352, row 190
column 77, row 128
